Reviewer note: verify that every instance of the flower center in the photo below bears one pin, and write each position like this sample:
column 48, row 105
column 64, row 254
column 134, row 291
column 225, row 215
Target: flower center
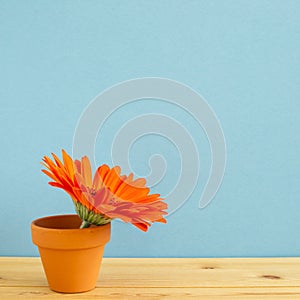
column 92, row 191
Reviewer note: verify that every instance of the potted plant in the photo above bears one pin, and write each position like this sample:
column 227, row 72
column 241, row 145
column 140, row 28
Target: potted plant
column 71, row 246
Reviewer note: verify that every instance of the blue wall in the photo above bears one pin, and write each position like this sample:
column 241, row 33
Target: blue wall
column 242, row 56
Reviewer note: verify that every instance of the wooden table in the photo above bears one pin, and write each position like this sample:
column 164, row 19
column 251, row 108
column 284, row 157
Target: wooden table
column 164, row 278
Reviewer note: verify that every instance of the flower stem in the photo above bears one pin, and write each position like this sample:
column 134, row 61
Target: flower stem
column 85, row 224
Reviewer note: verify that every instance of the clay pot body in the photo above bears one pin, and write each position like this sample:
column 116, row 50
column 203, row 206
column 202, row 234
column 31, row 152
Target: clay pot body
column 71, row 256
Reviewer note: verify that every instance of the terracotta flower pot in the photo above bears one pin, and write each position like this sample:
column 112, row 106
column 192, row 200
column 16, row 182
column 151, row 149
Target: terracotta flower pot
column 71, row 256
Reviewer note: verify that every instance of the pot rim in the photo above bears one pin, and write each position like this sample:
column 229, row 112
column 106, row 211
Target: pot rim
column 35, row 224
column 68, row 238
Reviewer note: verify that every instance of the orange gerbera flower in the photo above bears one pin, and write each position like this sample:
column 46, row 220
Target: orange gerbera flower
column 107, row 195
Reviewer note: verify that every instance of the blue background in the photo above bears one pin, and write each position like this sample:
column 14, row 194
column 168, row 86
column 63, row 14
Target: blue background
column 243, row 57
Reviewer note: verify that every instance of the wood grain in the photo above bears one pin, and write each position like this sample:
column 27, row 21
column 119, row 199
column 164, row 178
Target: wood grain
column 164, row 278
